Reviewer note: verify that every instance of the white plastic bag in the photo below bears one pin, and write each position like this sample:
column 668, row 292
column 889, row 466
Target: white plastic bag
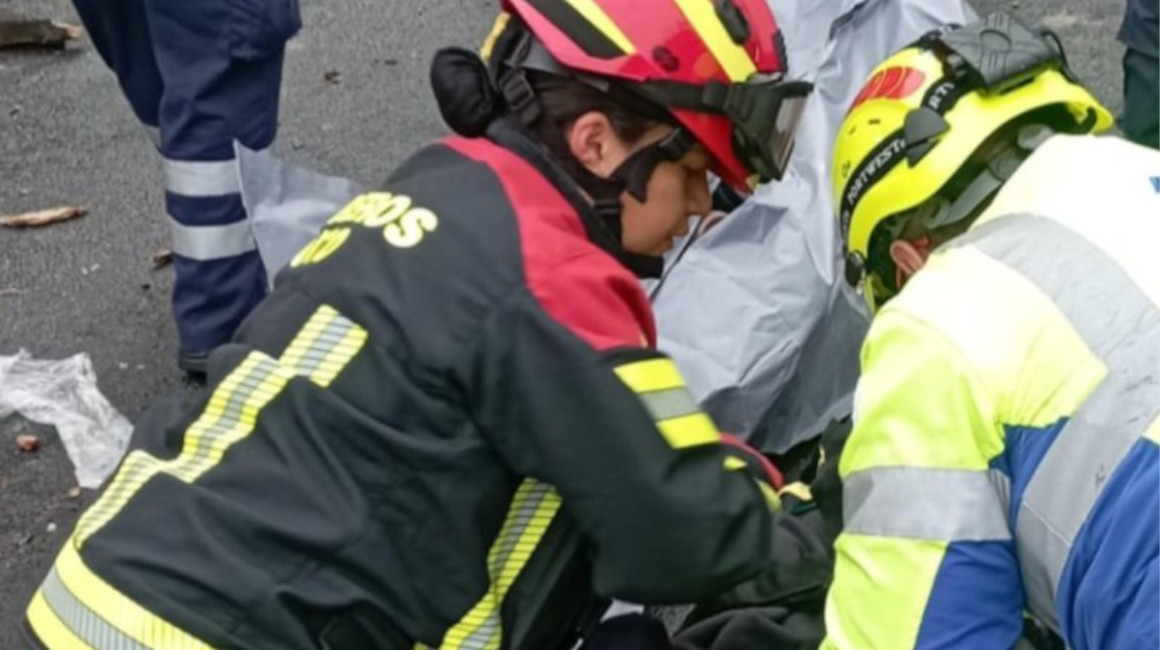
column 64, row 394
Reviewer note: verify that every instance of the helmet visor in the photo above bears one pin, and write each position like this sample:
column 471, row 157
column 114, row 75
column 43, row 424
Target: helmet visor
column 765, row 121
column 764, row 112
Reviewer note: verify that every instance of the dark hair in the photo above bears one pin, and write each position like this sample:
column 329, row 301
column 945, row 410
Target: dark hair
column 564, row 100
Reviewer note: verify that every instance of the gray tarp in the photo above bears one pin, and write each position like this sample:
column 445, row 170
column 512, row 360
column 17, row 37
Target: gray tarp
column 287, row 204
column 755, row 312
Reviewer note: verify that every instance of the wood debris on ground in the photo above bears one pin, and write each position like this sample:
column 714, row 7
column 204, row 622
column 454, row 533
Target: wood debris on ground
column 38, row 33
column 163, row 257
column 42, row 217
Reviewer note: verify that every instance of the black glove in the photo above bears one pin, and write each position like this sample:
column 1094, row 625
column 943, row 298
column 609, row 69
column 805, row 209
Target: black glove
column 799, row 573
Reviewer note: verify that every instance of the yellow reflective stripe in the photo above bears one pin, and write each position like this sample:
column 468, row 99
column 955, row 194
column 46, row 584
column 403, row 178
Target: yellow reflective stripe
column 336, row 359
column 207, row 440
column 307, row 338
column 324, row 346
column 501, row 22
column 229, row 416
column 603, row 23
column 689, row 431
column 533, row 507
column 733, row 463
column 880, row 590
column 137, row 468
column 771, row 497
column 797, row 489
column 650, row 379
column 650, row 375
column 320, row 350
column 486, row 610
column 103, row 614
column 732, row 57
column 1153, row 431
column 52, row 632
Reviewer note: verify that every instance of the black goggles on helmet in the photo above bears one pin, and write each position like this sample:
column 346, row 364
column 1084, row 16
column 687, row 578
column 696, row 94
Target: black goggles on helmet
column 765, row 111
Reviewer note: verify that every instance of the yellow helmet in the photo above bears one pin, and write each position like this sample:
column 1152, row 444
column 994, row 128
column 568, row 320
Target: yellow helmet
column 926, row 110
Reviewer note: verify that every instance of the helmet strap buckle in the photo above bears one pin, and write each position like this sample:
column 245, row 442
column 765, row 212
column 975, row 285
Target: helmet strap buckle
column 521, row 98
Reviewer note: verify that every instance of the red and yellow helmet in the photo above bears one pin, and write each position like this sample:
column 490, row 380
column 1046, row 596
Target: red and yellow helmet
column 716, row 66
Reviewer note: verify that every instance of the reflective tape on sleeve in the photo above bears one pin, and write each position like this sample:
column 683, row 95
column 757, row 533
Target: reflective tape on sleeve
column 689, row 431
column 945, row 505
column 1120, row 324
column 650, row 375
column 662, row 391
column 195, row 178
column 670, row 403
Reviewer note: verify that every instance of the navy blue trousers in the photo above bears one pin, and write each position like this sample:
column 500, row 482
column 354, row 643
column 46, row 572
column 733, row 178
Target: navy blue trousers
column 1140, row 32
column 204, row 73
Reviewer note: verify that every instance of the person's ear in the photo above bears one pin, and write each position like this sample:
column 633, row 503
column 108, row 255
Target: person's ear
column 907, row 257
column 594, row 143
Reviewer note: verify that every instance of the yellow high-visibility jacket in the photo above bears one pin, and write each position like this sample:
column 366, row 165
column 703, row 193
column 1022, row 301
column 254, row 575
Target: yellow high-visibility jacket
column 1004, row 454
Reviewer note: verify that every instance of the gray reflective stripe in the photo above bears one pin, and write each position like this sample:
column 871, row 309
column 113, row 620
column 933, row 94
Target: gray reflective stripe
column 211, row 242
column 670, row 403
column 518, row 520
column 1121, row 326
column 329, row 339
column 83, row 622
column 925, row 503
column 187, row 178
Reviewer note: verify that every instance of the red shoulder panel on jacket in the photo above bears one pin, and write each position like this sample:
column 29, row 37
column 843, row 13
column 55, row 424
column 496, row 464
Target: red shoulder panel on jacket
column 578, row 284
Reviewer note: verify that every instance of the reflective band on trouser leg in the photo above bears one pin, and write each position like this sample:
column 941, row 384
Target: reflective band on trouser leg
column 206, row 229
column 205, row 243
column 1121, row 326
column 218, row 274
column 76, row 610
column 661, row 389
column 533, row 507
column 201, row 178
column 943, row 505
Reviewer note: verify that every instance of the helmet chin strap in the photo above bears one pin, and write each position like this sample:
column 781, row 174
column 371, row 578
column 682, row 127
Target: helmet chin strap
column 631, row 176
column 473, row 106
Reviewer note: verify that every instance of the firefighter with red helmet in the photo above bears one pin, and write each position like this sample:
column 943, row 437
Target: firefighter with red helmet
column 448, row 426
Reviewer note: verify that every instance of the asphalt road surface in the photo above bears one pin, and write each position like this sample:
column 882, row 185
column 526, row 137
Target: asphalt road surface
column 67, row 137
